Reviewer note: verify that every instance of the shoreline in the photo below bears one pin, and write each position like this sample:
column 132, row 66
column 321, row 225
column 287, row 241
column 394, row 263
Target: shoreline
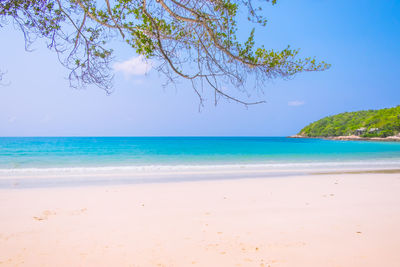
column 350, row 138
column 348, row 220
column 17, row 183
column 81, row 177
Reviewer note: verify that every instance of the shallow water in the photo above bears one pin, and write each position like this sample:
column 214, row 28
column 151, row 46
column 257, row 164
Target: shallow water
column 90, row 161
column 132, row 152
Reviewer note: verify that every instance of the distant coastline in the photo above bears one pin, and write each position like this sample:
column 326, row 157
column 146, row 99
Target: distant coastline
column 364, row 125
column 395, row 138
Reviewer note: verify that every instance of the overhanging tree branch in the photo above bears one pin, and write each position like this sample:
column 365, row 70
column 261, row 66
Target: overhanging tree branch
column 193, row 40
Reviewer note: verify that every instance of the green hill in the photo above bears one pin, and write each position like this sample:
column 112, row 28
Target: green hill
column 366, row 123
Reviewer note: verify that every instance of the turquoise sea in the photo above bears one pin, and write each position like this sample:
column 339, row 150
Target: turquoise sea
column 92, row 161
column 70, row 152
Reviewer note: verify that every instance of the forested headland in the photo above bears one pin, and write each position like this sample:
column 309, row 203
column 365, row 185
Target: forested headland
column 366, row 123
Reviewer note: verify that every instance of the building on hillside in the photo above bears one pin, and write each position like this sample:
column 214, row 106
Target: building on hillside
column 361, row 131
column 374, row 130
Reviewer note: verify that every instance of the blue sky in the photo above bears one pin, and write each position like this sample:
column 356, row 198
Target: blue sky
column 361, row 39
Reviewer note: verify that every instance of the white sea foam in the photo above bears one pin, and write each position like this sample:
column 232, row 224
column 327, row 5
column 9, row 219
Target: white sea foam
column 147, row 170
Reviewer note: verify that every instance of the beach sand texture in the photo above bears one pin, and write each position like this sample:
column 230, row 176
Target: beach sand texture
column 341, row 220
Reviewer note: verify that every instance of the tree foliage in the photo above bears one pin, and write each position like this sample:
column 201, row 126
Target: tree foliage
column 386, row 120
column 195, row 40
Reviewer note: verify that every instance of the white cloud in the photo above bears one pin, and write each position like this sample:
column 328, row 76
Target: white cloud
column 46, row 118
column 134, row 66
column 296, row 103
column 139, row 81
column 12, row 119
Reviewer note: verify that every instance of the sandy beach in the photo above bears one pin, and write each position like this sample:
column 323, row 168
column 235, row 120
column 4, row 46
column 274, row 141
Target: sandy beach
column 317, row 220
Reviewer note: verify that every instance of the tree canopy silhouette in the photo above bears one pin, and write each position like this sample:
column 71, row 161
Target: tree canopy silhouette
column 195, row 40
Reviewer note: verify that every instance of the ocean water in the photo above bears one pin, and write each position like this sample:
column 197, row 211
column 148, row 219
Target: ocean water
column 95, row 152
column 91, row 161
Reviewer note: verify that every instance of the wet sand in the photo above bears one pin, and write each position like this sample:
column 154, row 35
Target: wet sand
column 341, row 220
